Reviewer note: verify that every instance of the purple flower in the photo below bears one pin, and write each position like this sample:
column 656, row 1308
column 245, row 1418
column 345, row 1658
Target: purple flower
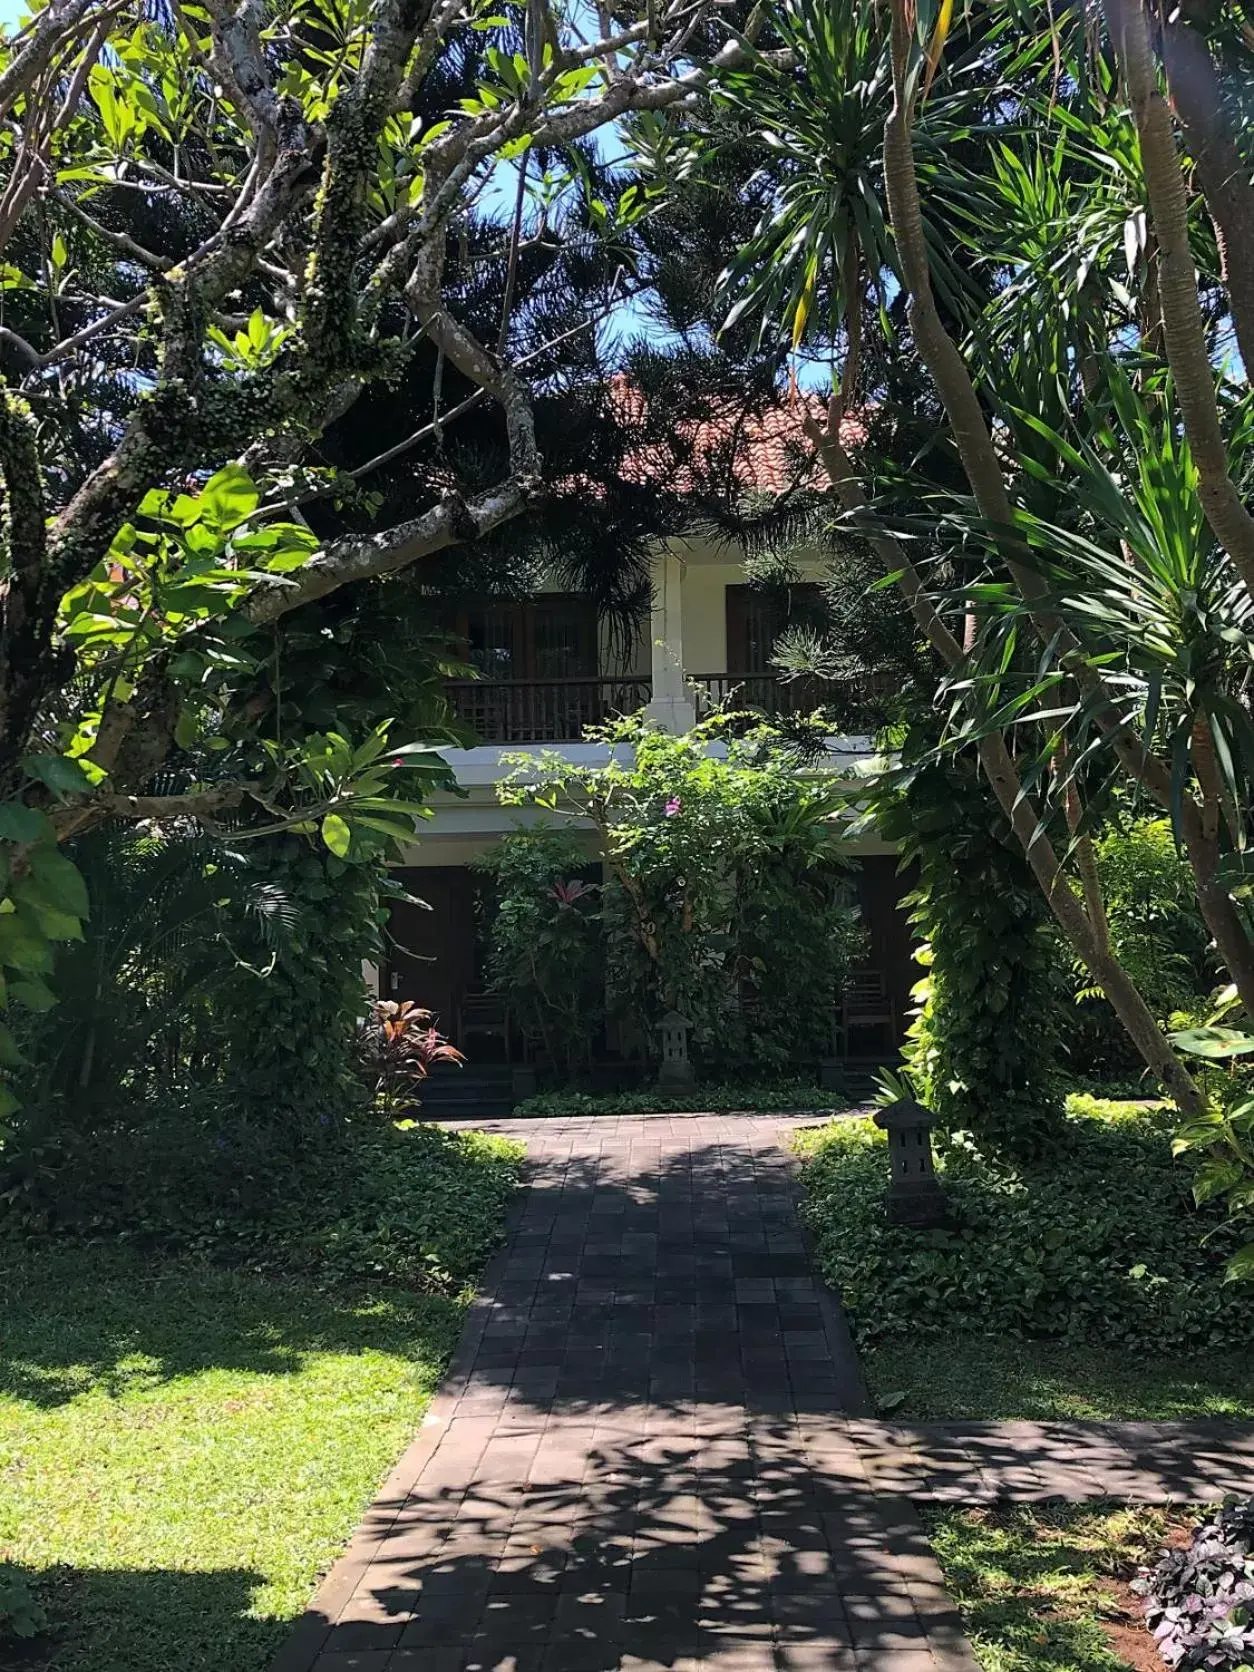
column 672, row 806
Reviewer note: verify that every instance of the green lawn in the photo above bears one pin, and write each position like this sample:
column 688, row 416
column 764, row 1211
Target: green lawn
column 183, row 1450
column 1044, row 1589
column 990, row 1377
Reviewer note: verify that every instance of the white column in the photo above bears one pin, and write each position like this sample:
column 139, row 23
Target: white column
column 672, row 705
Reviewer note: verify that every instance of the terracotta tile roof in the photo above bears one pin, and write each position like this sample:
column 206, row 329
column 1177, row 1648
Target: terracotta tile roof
column 765, row 452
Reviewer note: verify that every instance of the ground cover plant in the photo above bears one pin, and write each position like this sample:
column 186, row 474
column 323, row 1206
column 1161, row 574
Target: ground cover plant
column 1100, row 1245
column 1046, row 1588
column 1198, row 1600
column 415, row 1205
column 782, row 1095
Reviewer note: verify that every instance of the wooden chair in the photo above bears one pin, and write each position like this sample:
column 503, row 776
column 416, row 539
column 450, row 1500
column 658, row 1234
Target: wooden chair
column 867, row 1004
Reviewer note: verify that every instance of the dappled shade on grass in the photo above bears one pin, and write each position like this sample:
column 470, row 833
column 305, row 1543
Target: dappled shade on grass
column 183, row 1450
column 186, row 1444
column 1044, row 1588
column 985, row 1378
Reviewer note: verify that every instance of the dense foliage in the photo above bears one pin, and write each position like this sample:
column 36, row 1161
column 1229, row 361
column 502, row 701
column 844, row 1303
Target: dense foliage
column 1155, row 929
column 286, row 1016
column 724, row 896
column 986, row 1051
column 1049, row 218
column 1103, row 1243
column 220, row 232
column 546, row 943
column 217, row 985
column 776, row 1094
column 1200, row 1601
column 418, row 1205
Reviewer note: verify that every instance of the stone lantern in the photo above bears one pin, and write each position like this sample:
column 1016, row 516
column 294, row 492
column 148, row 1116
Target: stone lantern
column 914, row 1196
column 676, row 1067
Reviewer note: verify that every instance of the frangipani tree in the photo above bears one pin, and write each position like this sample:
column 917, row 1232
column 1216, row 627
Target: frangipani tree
column 222, row 226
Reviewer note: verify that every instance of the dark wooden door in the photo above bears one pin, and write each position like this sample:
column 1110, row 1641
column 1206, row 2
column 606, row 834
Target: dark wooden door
column 881, row 887
column 756, row 618
column 553, row 636
column 432, row 948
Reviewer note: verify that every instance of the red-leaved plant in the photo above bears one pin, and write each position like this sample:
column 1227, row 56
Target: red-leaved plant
column 399, row 1043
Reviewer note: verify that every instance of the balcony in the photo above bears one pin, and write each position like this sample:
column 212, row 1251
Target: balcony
column 780, row 698
column 765, row 692
column 544, row 710
column 557, row 710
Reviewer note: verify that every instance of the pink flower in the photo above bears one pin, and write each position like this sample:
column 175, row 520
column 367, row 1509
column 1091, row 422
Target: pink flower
column 672, row 806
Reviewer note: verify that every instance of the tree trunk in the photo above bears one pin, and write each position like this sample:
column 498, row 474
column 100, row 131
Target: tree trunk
column 1019, row 810
column 1183, row 326
column 983, row 468
column 1197, row 97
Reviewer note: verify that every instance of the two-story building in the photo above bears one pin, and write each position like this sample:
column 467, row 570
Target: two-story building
column 546, row 670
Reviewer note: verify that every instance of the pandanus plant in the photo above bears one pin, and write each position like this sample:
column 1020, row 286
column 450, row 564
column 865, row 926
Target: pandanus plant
column 1106, row 206
column 400, row 1045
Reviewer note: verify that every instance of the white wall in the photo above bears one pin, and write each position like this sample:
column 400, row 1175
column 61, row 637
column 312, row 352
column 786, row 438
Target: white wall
column 705, row 615
column 707, row 573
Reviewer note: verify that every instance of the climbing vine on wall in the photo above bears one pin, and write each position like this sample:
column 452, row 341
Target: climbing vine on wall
column 986, row 1047
column 723, row 895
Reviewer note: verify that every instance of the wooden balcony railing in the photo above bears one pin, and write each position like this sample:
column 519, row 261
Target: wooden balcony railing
column 771, row 695
column 544, row 710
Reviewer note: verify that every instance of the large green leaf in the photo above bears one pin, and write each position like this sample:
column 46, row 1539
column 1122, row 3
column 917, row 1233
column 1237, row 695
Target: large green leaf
column 337, row 835
column 19, row 823
column 228, row 497
column 1214, row 1043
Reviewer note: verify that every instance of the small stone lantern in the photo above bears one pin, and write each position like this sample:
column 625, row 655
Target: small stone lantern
column 914, row 1196
column 676, row 1067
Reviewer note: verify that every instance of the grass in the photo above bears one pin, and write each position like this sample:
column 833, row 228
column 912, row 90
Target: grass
column 987, row 1378
column 184, row 1450
column 1043, row 1589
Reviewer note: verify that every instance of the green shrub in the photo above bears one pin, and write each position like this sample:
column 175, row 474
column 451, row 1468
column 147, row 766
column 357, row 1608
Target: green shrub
column 546, row 942
column 21, row 1612
column 1156, row 932
column 783, row 1095
column 1104, row 1245
column 986, row 1045
column 413, row 1204
column 725, row 886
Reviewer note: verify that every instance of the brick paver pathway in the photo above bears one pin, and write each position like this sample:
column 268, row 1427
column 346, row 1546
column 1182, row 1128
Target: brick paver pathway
column 978, row 1462
column 638, row 1459
column 653, row 1448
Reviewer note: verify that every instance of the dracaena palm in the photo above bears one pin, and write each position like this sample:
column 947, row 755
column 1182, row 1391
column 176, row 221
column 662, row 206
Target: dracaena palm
column 1041, row 213
column 815, row 96
column 1164, row 619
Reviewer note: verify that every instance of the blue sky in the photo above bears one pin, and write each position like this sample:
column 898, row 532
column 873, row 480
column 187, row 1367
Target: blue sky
column 628, row 323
